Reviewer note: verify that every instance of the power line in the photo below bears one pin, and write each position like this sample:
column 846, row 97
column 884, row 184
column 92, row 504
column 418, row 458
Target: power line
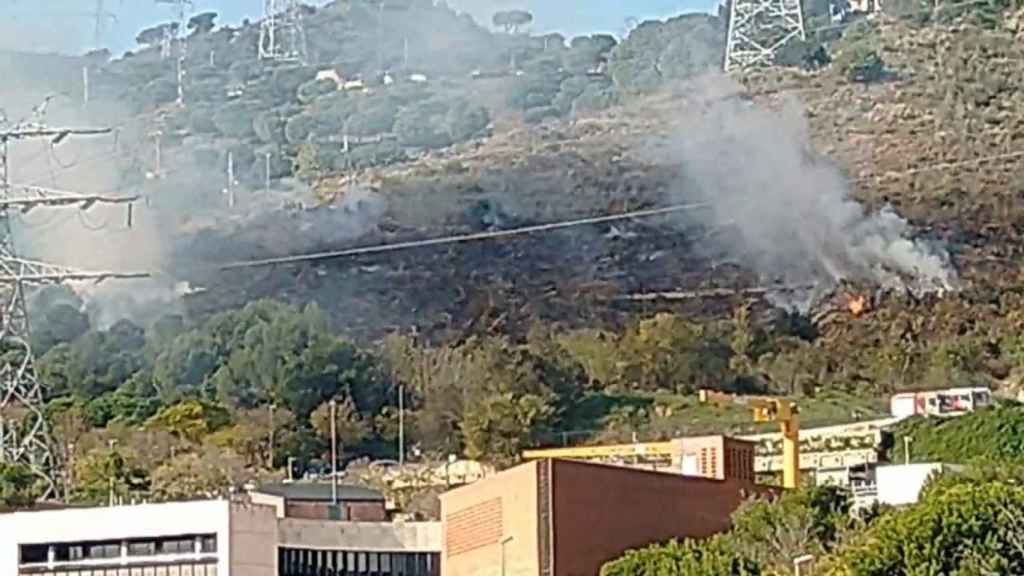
column 328, row 255
column 464, row 237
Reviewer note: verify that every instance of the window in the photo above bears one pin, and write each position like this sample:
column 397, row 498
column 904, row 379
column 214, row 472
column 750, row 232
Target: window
column 142, row 548
column 34, row 553
column 185, row 545
column 209, row 543
column 103, row 550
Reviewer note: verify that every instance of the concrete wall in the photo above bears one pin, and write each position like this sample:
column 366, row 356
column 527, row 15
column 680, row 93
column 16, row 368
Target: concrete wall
column 253, row 550
column 364, row 536
column 112, row 523
column 492, row 520
column 601, row 511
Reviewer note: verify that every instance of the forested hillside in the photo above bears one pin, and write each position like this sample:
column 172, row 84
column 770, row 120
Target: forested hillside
column 896, row 137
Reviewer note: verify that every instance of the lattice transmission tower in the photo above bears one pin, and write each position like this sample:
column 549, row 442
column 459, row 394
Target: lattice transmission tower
column 282, row 37
column 758, row 29
column 24, row 431
column 175, row 37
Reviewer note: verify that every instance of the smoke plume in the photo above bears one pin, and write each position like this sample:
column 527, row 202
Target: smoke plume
column 786, row 212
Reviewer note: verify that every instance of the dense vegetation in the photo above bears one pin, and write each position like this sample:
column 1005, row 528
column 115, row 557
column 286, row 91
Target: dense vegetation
column 960, row 527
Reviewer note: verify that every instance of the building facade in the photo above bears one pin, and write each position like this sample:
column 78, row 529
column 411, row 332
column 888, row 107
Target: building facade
column 567, row 518
column 210, row 538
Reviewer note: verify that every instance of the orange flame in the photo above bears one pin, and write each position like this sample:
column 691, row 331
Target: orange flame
column 857, row 304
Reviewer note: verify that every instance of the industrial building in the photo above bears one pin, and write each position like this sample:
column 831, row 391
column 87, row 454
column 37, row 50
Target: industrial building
column 276, row 532
column 567, row 518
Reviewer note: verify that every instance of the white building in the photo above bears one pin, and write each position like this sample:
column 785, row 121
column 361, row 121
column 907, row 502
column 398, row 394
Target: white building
column 899, row 484
column 185, row 538
column 208, row 538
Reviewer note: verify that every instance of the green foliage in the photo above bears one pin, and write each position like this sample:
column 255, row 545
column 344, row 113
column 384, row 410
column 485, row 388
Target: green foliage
column 190, row 420
column 715, row 556
column 306, row 166
column 351, row 428
column 806, row 522
column 660, row 52
column 17, row 486
column 102, row 471
column 423, row 126
column 969, row 528
column 466, row 121
column 992, row 434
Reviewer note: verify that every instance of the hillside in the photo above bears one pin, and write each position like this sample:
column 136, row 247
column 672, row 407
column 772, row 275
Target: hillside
column 857, row 231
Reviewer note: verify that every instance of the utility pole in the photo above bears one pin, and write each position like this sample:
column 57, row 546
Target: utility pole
column 85, row 85
column 266, row 171
column 334, row 452
column 111, row 444
column 282, row 37
column 230, row 190
column 758, row 29
column 19, row 386
column 270, row 451
column 401, row 424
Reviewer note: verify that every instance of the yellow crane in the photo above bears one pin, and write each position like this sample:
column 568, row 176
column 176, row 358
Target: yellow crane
column 771, row 410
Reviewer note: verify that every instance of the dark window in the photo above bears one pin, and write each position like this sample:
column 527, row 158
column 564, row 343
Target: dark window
column 142, row 548
column 34, row 553
column 103, row 550
column 209, row 543
column 176, row 546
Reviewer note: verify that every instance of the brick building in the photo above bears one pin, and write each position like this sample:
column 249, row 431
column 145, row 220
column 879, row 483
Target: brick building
column 567, row 518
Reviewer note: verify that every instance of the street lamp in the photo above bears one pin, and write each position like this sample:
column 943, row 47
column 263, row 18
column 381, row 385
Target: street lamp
column 504, row 541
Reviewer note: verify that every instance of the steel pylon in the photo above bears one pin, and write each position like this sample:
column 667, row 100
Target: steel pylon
column 24, row 431
column 758, row 29
column 282, row 37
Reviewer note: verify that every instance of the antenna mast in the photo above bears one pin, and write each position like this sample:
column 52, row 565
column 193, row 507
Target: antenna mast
column 758, row 29
column 281, row 35
column 26, row 439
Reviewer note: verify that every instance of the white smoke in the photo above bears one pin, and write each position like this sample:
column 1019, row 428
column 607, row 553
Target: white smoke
column 788, row 212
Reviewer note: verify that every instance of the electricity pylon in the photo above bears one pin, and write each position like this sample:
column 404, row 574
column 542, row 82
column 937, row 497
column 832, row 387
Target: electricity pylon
column 26, row 440
column 282, row 37
column 758, row 29
column 174, row 35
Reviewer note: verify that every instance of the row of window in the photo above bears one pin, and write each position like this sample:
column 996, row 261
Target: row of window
column 308, row 562
column 111, row 549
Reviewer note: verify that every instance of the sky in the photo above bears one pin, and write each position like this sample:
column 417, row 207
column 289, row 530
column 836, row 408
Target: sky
column 68, row 25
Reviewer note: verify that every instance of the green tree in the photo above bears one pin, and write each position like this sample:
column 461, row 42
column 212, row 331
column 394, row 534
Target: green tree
column 99, row 471
column 190, row 420
column 810, row 521
column 715, row 556
column 206, row 473
column 306, row 166
column 350, row 425
column 202, row 23
column 18, row 487
column 969, row 528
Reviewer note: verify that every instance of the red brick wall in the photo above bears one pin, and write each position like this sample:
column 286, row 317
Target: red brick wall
column 602, row 511
column 474, row 527
column 366, row 512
